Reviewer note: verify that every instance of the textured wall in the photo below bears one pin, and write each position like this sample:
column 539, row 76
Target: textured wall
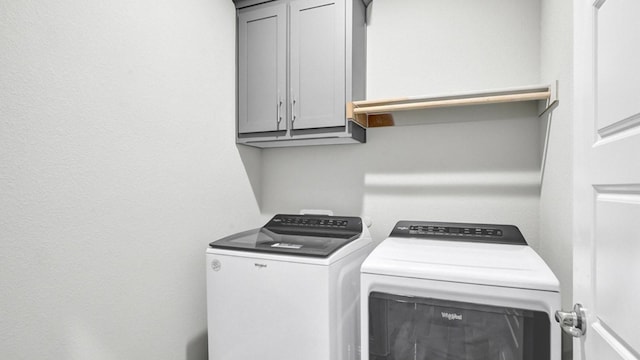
column 117, row 167
column 556, row 200
column 469, row 164
column 429, row 47
column 117, row 161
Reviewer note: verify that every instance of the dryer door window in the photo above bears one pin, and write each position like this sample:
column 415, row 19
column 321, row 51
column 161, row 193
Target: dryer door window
column 411, row 328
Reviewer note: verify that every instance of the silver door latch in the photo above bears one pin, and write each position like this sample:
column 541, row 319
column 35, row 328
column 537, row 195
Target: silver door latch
column 573, row 322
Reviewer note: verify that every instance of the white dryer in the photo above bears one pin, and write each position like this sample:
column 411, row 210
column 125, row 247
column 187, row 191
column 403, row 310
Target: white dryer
column 287, row 291
column 451, row 291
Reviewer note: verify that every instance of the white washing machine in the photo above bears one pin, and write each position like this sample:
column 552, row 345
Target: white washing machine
column 287, row 291
column 445, row 291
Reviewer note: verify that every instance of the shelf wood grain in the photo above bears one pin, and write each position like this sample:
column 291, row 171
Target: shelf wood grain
column 377, row 113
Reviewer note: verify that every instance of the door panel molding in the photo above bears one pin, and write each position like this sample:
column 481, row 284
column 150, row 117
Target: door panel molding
column 610, row 347
column 624, row 125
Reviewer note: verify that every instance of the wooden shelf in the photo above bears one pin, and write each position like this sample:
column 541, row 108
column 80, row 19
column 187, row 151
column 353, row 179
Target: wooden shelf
column 378, row 113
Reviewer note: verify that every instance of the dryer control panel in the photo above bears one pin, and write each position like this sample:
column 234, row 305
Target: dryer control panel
column 498, row 234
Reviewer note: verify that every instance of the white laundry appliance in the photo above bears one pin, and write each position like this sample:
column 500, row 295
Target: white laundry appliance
column 453, row 291
column 287, row 291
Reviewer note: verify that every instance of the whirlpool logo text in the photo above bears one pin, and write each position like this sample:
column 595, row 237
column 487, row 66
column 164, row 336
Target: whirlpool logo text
column 451, row 316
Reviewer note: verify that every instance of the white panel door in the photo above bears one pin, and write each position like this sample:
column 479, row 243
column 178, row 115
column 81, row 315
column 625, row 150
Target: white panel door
column 317, row 47
column 607, row 164
column 262, row 66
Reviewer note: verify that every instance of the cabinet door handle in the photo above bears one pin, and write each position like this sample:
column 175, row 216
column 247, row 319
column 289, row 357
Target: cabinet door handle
column 293, row 111
column 279, row 120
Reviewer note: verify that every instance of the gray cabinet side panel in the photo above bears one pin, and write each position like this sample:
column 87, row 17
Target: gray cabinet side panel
column 261, row 68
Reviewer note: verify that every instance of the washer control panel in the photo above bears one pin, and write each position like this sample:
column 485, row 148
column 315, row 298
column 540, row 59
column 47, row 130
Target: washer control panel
column 306, row 221
column 316, row 225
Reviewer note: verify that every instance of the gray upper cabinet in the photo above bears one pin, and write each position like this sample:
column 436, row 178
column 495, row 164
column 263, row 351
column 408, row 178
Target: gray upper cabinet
column 262, row 67
column 299, row 63
column 317, row 63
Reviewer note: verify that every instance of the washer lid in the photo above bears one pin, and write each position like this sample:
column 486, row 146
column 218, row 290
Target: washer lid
column 302, row 235
column 495, row 264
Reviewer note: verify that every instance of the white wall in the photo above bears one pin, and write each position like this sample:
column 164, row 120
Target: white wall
column 117, row 167
column 427, row 46
column 117, row 161
column 556, row 215
column 556, row 202
column 476, row 164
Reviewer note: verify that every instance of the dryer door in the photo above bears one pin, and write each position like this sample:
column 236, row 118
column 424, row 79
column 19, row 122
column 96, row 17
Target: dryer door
column 403, row 328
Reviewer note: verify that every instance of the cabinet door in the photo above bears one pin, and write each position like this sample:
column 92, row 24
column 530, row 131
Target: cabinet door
column 317, row 53
column 262, row 65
